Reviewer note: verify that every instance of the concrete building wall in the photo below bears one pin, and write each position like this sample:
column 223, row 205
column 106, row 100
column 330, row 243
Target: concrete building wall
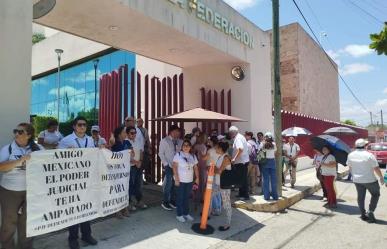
column 319, row 86
column 15, row 65
column 309, row 82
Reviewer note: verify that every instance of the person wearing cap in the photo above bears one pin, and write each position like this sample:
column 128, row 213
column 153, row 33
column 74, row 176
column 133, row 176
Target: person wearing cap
column 99, row 142
column 363, row 166
column 269, row 173
column 169, row 146
column 291, row 150
column 240, row 158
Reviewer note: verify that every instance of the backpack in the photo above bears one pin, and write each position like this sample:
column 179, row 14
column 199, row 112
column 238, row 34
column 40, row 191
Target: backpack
column 254, row 154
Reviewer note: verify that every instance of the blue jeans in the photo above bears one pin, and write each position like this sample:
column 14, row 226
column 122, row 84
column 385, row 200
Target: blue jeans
column 182, row 204
column 168, row 186
column 269, row 179
column 135, row 183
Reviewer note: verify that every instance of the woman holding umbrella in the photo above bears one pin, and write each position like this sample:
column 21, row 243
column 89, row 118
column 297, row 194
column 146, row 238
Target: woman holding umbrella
column 328, row 172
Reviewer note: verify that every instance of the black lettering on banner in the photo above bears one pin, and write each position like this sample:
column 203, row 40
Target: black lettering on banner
column 68, row 154
column 117, row 188
column 117, row 155
column 66, row 165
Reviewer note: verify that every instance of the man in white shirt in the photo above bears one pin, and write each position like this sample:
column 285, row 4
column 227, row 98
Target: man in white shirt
column 50, row 137
column 99, row 142
column 240, row 158
column 169, row 146
column 79, row 139
column 131, row 122
column 363, row 166
column 291, row 150
column 146, row 163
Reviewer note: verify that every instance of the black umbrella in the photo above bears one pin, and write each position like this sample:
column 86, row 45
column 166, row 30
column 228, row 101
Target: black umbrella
column 338, row 148
column 340, row 130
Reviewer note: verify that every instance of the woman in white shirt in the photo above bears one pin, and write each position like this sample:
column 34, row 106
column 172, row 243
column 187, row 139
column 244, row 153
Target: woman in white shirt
column 50, row 137
column 268, row 169
column 318, row 156
column 185, row 165
column 13, row 158
column 328, row 171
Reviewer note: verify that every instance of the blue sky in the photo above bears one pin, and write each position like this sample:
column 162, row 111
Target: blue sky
column 343, row 30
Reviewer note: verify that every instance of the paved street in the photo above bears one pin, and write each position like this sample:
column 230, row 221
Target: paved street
column 309, row 225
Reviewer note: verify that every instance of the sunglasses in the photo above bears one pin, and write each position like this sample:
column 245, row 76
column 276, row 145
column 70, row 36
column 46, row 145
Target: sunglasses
column 81, row 124
column 128, row 120
column 133, row 133
column 19, row 132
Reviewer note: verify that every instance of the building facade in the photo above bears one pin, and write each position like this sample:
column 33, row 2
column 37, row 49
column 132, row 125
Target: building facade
column 309, row 78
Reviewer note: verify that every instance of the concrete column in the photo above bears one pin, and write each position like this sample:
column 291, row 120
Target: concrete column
column 15, row 65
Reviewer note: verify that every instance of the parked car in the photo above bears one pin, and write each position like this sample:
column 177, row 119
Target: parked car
column 380, row 152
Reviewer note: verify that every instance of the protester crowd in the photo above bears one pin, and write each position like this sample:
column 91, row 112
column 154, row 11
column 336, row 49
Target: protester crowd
column 241, row 161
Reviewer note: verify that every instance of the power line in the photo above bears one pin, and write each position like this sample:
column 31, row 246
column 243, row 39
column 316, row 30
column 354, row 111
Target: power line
column 329, row 59
column 366, row 12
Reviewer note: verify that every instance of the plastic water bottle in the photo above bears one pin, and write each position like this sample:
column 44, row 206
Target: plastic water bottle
column 385, row 176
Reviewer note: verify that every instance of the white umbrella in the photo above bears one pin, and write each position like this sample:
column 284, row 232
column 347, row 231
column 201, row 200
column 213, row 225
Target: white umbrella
column 296, row 131
column 340, row 130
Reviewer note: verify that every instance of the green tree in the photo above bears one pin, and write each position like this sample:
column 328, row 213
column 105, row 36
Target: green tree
column 349, row 122
column 37, row 37
column 379, row 41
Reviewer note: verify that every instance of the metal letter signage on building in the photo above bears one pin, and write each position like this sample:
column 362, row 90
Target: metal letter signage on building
column 216, row 20
column 67, row 187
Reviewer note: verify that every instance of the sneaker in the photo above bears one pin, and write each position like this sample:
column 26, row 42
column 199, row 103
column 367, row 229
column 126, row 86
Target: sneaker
column 172, row 205
column 131, row 207
column 188, row 217
column 166, row 206
column 73, row 244
column 90, row 240
column 364, row 217
column 371, row 217
column 141, row 205
column 180, row 218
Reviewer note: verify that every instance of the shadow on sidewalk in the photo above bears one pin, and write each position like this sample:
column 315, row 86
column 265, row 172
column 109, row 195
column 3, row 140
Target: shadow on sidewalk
column 156, row 228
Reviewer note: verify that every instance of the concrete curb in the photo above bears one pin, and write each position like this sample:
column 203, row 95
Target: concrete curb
column 284, row 202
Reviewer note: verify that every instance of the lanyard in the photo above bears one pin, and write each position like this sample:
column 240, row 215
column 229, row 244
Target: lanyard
column 79, row 145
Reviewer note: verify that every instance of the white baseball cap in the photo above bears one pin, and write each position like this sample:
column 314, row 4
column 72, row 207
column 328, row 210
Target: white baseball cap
column 233, row 129
column 95, row 128
column 269, row 134
column 360, row 143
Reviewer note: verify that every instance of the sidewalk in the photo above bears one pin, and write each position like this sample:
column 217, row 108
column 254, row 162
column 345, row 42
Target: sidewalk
column 157, row 228
column 306, row 185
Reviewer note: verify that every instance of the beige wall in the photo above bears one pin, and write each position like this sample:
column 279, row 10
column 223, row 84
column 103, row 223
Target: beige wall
column 309, row 82
column 319, row 86
column 15, row 65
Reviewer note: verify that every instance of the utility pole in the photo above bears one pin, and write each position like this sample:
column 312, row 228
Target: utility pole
column 277, row 94
column 381, row 119
column 372, row 122
column 59, row 53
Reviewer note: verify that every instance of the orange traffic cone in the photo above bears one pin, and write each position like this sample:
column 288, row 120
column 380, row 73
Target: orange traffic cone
column 203, row 227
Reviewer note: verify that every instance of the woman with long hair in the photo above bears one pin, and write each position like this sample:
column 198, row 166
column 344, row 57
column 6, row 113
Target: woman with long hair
column 200, row 150
column 224, row 163
column 269, row 169
column 13, row 159
column 120, row 144
column 329, row 173
column 185, row 167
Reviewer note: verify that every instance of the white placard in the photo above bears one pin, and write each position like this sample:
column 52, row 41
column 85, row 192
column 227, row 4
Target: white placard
column 71, row 186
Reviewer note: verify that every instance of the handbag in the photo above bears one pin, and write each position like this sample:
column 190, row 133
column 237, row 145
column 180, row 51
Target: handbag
column 227, row 179
column 261, row 157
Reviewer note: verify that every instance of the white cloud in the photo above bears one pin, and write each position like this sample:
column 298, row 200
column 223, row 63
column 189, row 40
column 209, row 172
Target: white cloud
column 385, row 90
column 381, row 103
column 356, row 50
column 356, row 68
column 67, row 89
column 334, row 56
column 242, row 4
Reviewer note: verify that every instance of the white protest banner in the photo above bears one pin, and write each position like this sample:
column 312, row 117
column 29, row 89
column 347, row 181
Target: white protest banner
column 71, row 186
